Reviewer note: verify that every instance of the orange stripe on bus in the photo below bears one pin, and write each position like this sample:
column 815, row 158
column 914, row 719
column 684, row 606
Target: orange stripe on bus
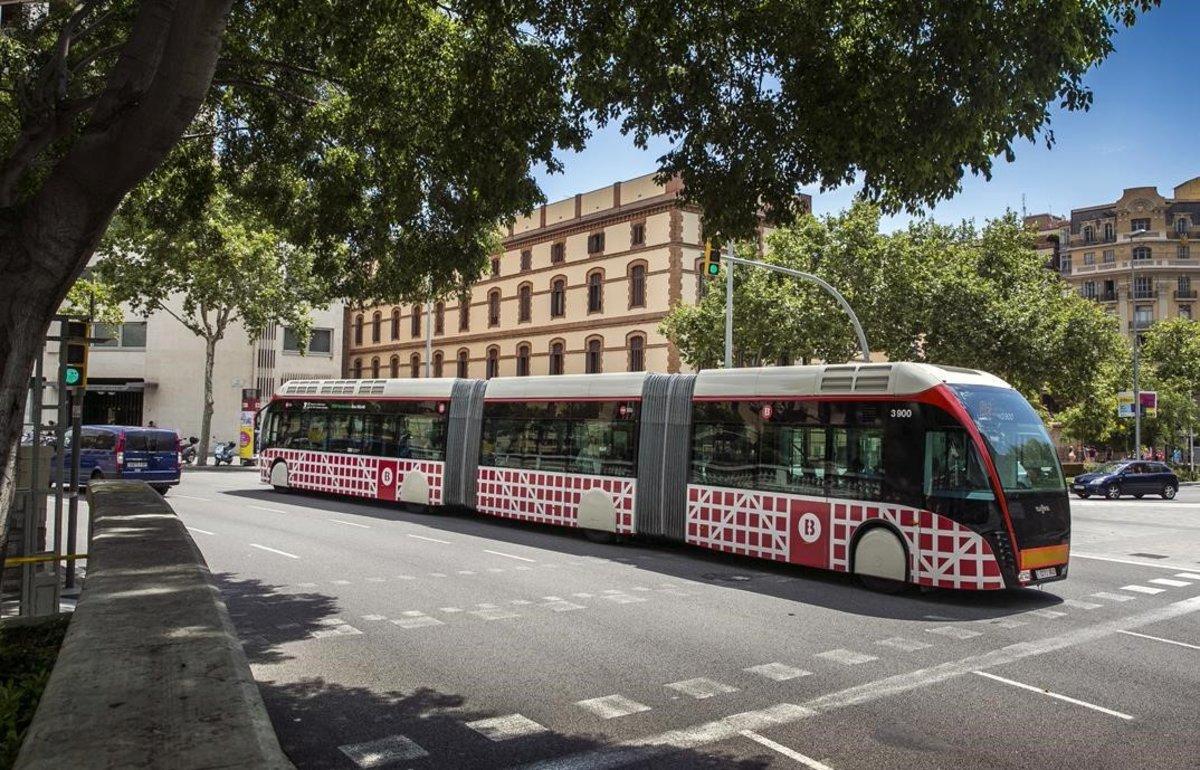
column 1046, row 556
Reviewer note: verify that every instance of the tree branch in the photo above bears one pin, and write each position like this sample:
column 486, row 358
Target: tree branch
column 268, row 87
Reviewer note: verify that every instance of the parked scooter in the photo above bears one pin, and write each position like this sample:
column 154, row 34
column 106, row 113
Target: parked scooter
column 224, row 453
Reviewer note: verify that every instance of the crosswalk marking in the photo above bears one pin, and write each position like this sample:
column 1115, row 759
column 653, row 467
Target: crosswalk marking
column 846, row 657
column 1006, row 623
column 954, row 632
column 1113, row 597
column 506, row 728
column 1188, row 575
column 1047, row 613
column 1170, row 582
column 700, row 688
column 1079, row 605
column 778, row 671
column 900, row 643
column 562, row 606
column 623, row 598
column 373, row 617
column 496, row 614
column 417, row 622
column 449, row 610
column 612, row 706
column 1143, row 589
column 394, row 748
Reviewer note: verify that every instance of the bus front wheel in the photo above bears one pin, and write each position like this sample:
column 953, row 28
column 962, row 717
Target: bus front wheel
column 881, row 562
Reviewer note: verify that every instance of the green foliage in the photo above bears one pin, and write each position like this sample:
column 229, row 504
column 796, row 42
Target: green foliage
column 981, row 299
column 1171, row 359
column 389, row 137
column 27, row 655
column 89, row 296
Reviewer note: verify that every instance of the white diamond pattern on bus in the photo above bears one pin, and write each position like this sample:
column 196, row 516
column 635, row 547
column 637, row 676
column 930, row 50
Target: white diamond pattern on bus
column 346, row 474
column 739, row 521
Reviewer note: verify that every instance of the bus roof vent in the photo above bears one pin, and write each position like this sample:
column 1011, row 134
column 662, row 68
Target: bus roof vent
column 856, row 378
column 371, row 387
column 301, row 387
column 338, row 387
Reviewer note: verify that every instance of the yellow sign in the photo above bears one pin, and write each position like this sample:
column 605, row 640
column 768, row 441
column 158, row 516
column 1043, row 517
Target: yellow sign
column 246, row 436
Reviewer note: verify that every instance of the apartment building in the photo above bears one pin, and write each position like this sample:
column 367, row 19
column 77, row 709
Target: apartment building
column 1135, row 255
column 581, row 285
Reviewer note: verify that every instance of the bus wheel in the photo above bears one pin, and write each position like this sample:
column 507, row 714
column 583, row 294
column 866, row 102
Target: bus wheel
column 880, row 561
column 1113, row 492
column 279, row 477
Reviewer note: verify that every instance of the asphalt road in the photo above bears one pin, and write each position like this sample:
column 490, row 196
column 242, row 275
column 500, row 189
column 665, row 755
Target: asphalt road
column 386, row 638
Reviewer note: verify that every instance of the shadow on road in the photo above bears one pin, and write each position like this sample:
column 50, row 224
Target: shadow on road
column 802, row 585
column 314, row 718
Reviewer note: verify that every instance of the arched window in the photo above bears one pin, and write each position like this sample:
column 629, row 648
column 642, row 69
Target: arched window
column 637, row 285
column 376, row 326
column 414, row 365
column 637, row 352
column 595, row 288
column 439, row 318
column 556, row 357
column 464, row 314
column 395, row 366
column 524, row 302
column 558, row 297
column 395, row 323
column 414, row 323
column 439, row 368
column 494, row 307
column 358, row 324
column 523, row 359
column 358, row 364
column 493, row 362
column 1108, row 231
column 595, row 355
column 1089, row 234
column 526, row 260
column 463, row 364
column 375, row 368
column 1141, row 252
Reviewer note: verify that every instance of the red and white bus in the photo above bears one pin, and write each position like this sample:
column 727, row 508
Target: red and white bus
column 899, row 473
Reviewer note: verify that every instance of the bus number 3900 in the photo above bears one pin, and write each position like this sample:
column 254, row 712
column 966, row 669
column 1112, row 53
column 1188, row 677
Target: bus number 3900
column 902, row 413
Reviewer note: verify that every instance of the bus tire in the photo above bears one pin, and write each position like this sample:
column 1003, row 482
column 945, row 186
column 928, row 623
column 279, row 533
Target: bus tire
column 279, row 476
column 881, row 560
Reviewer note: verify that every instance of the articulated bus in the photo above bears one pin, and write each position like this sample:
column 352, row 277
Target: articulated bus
column 900, row 473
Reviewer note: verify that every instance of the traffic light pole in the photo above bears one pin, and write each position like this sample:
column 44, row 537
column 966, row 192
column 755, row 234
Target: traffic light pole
column 731, row 260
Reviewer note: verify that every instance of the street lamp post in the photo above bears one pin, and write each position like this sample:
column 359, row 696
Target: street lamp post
column 1137, row 394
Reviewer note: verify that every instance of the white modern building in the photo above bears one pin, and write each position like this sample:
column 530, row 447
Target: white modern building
column 152, row 369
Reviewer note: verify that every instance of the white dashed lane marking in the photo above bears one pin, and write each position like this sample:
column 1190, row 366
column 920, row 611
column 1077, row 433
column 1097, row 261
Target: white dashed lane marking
column 778, row 671
column 954, row 632
column 265, row 508
column 394, row 748
column 1057, row 696
column 201, row 531
column 428, row 539
column 1143, row 589
column 612, row 706
column 784, row 750
column 1170, row 582
column 1114, row 597
column 846, row 657
column 900, row 643
column 274, row 550
column 508, row 555
column 701, row 688
column 506, row 728
column 1160, row 639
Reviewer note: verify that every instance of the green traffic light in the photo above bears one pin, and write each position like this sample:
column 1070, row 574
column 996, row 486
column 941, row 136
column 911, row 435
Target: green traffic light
column 71, row 376
column 713, row 268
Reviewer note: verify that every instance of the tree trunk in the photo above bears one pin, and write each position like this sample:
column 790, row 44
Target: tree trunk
column 151, row 96
column 210, row 355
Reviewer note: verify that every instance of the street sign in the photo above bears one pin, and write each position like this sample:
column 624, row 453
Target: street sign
column 1149, row 400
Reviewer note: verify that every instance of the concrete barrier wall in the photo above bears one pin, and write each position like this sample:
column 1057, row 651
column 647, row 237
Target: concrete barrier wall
column 151, row 673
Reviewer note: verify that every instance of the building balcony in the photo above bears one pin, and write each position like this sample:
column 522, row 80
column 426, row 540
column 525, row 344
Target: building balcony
column 1185, row 294
column 1107, row 296
column 1145, row 293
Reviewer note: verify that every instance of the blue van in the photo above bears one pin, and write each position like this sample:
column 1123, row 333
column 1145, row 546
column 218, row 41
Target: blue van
column 151, row 455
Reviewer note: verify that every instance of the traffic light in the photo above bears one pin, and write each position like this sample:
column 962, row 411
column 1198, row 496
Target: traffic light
column 75, row 353
column 712, row 258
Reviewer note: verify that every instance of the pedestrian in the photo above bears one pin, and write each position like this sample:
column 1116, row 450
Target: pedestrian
column 151, row 424
column 1071, row 455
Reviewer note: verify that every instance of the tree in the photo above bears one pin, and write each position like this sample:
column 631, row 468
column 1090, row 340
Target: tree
column 387, row 137
column 1172, row 352
column 218, row 268
column 953, row 295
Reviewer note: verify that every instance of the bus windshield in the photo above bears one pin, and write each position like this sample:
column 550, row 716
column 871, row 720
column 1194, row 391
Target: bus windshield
column 1015, row 438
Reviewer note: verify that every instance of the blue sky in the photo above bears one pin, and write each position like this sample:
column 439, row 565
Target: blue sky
column 1143, row 129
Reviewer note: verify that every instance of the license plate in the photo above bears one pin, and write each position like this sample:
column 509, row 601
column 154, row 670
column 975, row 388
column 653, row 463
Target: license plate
column 138, row 466
column 1048, row 572
column 1077, row 486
